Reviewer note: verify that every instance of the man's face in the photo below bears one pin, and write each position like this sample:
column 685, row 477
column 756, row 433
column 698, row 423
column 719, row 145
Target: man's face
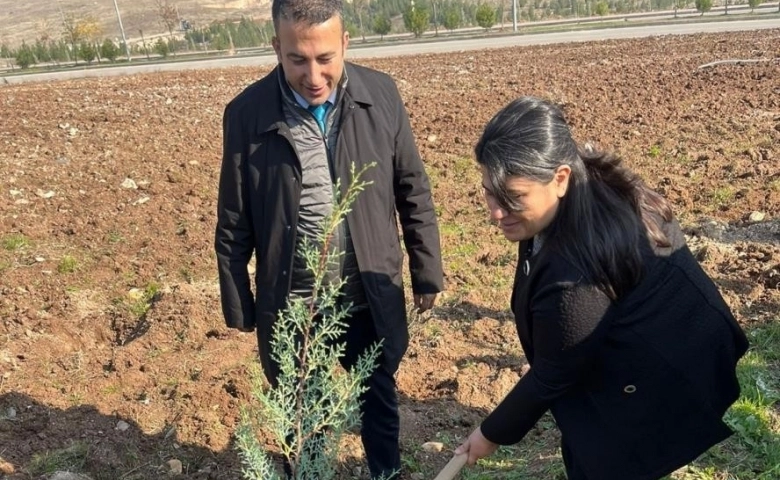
column 312, row 56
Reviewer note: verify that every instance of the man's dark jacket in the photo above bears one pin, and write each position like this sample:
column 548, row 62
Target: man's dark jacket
column 259, row 193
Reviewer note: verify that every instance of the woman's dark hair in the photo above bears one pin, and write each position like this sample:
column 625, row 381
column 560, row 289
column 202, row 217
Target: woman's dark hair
column 607, row 211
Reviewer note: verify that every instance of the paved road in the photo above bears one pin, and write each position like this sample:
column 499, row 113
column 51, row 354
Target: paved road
column 419, row 48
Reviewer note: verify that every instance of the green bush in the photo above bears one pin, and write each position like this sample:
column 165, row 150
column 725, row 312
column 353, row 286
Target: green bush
column 25, row 57
column 161, row 48
column 109, row 50
column 381, row 25
column 703, row 6
column 452, row 18
column 416, row 20
column 87, row 52
column 486, row 16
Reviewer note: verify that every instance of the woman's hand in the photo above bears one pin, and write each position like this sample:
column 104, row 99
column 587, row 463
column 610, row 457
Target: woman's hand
column 476, row 446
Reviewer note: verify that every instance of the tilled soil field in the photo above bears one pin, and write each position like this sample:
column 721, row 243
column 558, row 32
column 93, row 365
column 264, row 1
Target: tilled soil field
column 113, row 352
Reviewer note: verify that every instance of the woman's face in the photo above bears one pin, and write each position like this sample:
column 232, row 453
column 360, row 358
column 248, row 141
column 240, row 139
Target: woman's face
column 539, row 202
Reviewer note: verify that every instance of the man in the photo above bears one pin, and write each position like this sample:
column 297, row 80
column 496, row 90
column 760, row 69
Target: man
column 287, row 139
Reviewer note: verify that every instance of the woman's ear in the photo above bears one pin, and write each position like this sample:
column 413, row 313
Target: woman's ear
column 561, row 180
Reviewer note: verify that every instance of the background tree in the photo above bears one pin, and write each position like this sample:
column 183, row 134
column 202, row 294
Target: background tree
column 753, row 4
column 44, row 28
column 25, row 57
column 161, row 47
column 248, row 33
column 602, row 8
column 69, row 31
column 452, row 18
column 703, row 6
column 109, row 50
column 435, row 18
column 88, row 30
column 381, row 25
column 679, row 4
column 219, row 39
column 486, row 16
column 169, row 17
column 268, row 32
column 575, row 8
column 416, row 20
column 352, row 28
column 41, row 51
column 531, row 12
column 87, row 51
column 143, row 43
column 202, row 36
column 5, row 52
column 361, row 10
column 59, row 51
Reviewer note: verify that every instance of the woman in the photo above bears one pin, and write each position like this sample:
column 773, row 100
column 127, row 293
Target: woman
column 631, row 346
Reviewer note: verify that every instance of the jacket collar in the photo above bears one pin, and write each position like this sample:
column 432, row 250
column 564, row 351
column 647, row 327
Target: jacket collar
column 358, row 91
column 272, row 114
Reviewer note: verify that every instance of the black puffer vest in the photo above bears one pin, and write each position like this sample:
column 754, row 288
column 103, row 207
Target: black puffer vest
column 315, row 151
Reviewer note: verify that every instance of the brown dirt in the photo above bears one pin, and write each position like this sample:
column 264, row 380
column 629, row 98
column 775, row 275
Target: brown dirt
column 109, row 312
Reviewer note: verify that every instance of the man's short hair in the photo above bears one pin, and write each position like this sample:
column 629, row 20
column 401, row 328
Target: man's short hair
column 308, row 12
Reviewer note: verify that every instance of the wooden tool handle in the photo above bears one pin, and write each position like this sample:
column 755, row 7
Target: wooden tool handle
column 453, row 467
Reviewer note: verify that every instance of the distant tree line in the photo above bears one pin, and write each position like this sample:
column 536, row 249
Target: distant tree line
column 227, row 35
column 59, row 51
column 82, row 39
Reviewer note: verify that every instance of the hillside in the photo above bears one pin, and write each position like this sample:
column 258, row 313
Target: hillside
column 29, row 19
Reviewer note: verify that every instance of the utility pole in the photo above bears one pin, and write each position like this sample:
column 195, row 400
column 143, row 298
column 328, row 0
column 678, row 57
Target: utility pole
column 514, row 15
column 122, row 30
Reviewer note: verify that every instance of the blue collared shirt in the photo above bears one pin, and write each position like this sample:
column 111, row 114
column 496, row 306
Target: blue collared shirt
column 302, row 101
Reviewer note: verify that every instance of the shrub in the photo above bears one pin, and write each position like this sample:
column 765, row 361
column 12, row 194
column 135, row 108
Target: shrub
column 486, row 16
column 87, row 52
column 25, row 57
column 109, row 50
column 703, row 6
column 313, row 404
column 416, row 20
column 381, row 25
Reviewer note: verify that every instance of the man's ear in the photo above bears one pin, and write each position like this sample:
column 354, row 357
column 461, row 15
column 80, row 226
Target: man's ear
column 277, row 48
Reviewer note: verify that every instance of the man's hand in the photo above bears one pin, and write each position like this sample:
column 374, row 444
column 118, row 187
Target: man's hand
column 424, row 302
column 476, row 446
